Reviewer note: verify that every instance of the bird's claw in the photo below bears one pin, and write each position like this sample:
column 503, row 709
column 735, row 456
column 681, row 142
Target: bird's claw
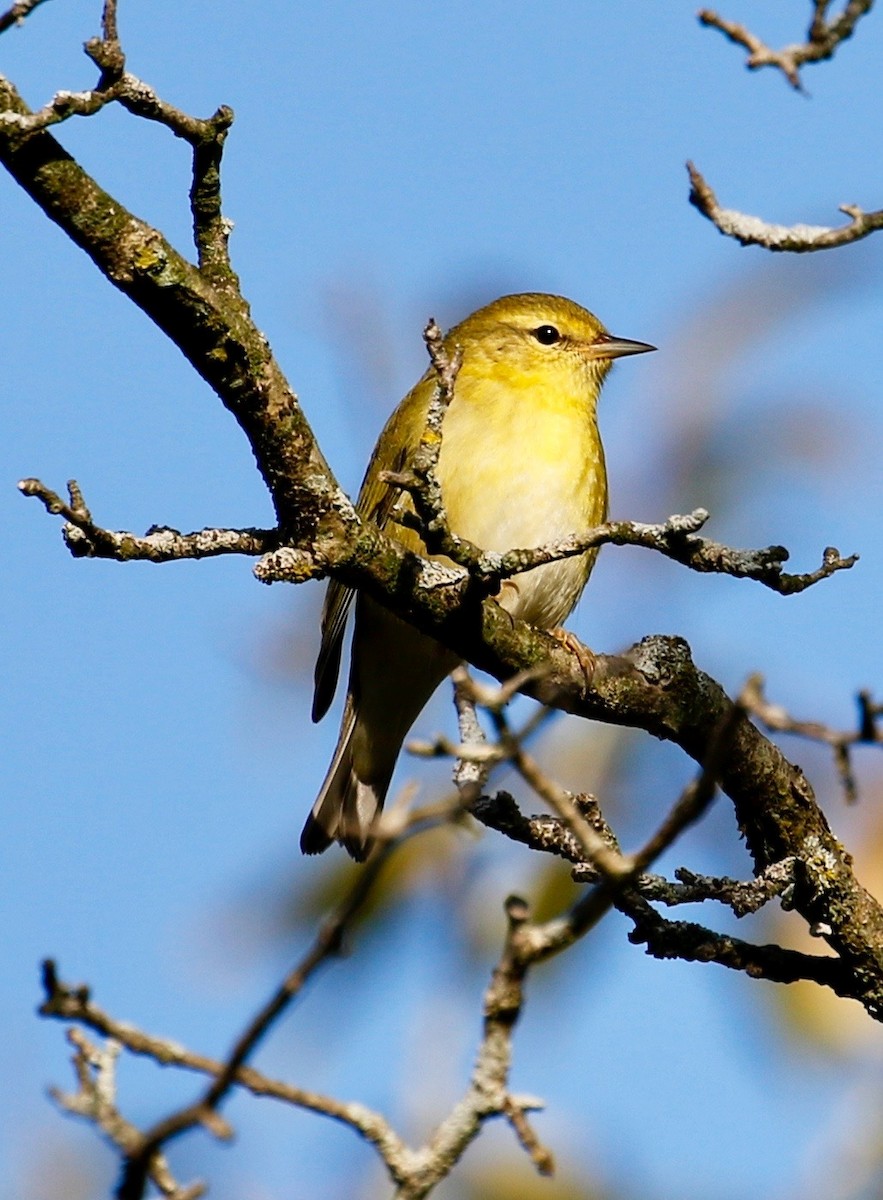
column 584, row 655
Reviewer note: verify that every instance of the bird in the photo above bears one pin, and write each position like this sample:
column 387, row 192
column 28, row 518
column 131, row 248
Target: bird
column 521, row 464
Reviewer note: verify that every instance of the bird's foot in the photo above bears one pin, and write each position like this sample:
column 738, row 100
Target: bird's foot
column 583, row 654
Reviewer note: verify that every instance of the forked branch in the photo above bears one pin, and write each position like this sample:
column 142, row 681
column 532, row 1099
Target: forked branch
column 823, row 38
column 85, row 539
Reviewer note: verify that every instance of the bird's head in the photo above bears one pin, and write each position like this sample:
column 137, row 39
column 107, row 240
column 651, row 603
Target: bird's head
column 533, row 337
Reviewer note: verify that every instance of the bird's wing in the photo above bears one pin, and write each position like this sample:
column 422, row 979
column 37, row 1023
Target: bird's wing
column 338, row 599
column 377, row 500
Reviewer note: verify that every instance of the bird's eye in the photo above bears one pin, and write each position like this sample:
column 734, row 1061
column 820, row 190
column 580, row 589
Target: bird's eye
column 547, row 335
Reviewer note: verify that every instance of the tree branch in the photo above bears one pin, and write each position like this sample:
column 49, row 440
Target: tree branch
column 95, row 1100
column 673, row 538
column 17, row 13
column 694, row 943
column 655, row 686
column 796, row 239
column 776, row 718
column 823, row 38
column 209, row 323
column 75, row 1004
column 160, row 544
column 203, row 1111
column 549, row 835
column 663, row 938
column 415, row 1172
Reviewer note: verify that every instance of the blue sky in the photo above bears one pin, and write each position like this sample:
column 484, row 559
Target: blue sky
column 390, row 162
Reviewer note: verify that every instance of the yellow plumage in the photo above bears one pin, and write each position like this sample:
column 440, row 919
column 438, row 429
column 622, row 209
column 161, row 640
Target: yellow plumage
column 521, row 464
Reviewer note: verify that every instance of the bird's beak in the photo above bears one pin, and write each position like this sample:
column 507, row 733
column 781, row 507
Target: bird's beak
column 608, row 346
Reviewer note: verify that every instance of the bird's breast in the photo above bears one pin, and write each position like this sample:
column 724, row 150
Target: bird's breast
column 519, row 470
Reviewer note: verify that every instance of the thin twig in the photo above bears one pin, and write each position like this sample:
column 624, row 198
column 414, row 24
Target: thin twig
column 487, row 1095
column 823, row 38
column 674, row 538
column 691, row 942
column 142, row 1150
column 743, row 896
column 17, row 13
column 420, row 479
column 470, row 773
column 327, row 943
column 663, row 938
column 620, row 880
column 795, row 239
column 777, row 718
column 687, row 809
column 206, row 136
column 474, row 754
column 160, row 544
column 95, row 1099
column 549, row 835
column 75, row 1004
column 414, row 1172
column 597, row 846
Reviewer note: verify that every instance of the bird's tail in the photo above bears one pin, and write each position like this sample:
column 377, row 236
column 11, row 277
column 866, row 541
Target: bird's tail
column 394, row 671
column 347, row 806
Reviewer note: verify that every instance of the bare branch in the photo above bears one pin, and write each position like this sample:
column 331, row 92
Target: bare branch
column 75, row 1004
column 543, row 832
column 470, row 773
column 540, row 1156
column 142, row 1150
column 669, row 939
column 488, row 1093
column 775, row 717
column 85, row 539
column 210, row 324
column 61, row 107
column 694, row 943
column 203, row 1111
column 594, row 841
column 597, row 848
column 17, row 13
column 742, row 896
column 618, row 882
column 213, row 328
column 420, row 479
column 773, row 801
column 205, row 136
column 548, row 834
column 655, row 685
column 796, row 239
column 95, row 1100
column 414, row 1172
column 823, row 38
column 109, row 23
column 675, row 539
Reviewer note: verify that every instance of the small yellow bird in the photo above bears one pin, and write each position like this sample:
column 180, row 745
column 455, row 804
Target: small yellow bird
column 521, row 464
